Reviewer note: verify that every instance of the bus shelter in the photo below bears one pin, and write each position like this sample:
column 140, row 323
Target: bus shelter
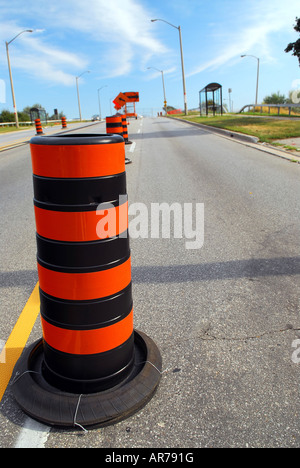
column 38, row 113
column 210, row 99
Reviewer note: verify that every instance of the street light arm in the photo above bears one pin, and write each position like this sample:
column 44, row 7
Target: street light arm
column 149, row 68
column 248, row 55
column 159, row 19
column 25, row 30
column 87, row 71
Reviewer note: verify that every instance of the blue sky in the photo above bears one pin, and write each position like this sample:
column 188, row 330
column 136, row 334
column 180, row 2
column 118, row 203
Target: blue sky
column 116, row 41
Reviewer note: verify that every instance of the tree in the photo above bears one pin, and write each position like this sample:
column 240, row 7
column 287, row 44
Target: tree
column 23, row 117
column 7, row 116
column 275, row 98
column 27, row 108
column 169, row 108
column 295, row 46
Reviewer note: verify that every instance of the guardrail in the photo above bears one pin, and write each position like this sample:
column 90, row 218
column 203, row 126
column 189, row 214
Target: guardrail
column 269, row 106
column 3, row 124
column 7, row 124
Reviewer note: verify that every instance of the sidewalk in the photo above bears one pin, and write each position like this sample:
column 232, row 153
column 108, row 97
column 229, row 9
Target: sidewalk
column 291, row 142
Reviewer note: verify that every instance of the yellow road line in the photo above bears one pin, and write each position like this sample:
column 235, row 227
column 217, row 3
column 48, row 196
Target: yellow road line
column 17, row 340
column 13, row 144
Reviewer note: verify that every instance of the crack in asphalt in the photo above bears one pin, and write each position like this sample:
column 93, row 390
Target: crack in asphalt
column 209, row 337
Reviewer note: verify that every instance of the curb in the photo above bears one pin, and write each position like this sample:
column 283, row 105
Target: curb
column 241, row 138
column 221, row 131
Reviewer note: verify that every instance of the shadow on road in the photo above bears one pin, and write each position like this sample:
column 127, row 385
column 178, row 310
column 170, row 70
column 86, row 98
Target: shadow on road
column 19, row 278
column 251, row 268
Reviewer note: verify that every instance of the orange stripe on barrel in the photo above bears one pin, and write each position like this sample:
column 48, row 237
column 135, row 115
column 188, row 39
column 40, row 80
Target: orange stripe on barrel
column 88, row 341
column 81, row 226
column 73, row 161
column 85, row 286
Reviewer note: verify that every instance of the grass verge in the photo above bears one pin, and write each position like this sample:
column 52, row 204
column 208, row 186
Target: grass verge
column 266, row 129
column 13, row 129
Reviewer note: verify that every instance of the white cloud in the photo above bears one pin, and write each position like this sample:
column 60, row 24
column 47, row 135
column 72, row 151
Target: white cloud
column 252, row 31
column 49, row 63
column 121, row 29
column 33, row 55
column 111, row 22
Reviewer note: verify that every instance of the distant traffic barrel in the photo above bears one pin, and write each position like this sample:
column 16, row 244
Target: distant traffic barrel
column 89, row 346
column 125, row 130
column 114, row 125
column 38, row 127
column 63, row 122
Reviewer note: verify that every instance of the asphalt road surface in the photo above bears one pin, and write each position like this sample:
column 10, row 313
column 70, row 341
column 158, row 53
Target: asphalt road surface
column 224, row 314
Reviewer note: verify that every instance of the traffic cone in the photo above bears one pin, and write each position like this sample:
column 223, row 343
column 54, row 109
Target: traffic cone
column 91, row 367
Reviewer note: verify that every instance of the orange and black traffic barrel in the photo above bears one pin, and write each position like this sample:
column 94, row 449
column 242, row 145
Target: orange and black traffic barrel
column 38, row 127
column 89, row 346
column 63, row 122
column 114, row 125
column 125, row 130
column 75, row 265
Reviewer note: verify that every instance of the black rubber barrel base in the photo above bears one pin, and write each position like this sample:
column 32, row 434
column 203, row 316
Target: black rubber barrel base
column 54, row 407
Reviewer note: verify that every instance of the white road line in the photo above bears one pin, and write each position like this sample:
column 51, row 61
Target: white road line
column 132, row 147
column 33, row 435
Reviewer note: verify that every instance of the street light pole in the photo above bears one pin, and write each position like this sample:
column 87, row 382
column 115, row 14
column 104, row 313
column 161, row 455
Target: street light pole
column 163, row 83
column 99, row 89
column 182, row 63
column 183, row 76
column 10, row 75
column 257, row 78
column 77, row 77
